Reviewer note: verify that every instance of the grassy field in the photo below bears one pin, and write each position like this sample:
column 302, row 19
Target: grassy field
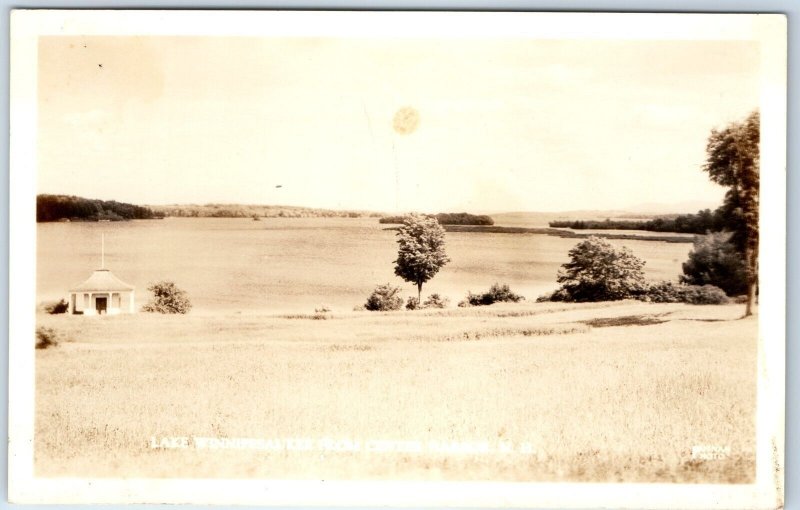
column 526, row 392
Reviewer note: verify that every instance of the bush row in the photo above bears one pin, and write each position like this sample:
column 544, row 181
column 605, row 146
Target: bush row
column 496, row 294
column 669, row 292
column 387, row 298
column 659, row 292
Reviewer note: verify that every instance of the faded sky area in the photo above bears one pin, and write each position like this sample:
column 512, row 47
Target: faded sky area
column 490, row 125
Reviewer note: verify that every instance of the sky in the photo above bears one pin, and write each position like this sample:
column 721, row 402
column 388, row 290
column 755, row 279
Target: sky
column 479, row 125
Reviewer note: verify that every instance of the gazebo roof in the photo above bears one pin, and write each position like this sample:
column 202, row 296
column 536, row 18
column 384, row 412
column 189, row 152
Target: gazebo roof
column 102, row 280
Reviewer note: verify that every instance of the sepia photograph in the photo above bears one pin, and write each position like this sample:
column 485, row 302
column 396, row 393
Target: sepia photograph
column 397, row 258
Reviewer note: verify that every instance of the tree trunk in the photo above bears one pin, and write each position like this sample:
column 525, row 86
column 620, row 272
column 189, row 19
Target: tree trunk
column 752, row 279
column 419, row 293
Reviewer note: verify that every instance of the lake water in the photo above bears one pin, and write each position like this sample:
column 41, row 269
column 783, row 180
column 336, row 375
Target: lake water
column 298, row 264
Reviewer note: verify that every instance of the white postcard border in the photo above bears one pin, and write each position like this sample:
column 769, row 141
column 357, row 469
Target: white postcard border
column 27, row 26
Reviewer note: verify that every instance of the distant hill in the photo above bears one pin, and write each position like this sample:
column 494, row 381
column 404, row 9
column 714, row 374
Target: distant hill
column 255, row 211
column 543, row 219
column 72, row 208
column 660, row 209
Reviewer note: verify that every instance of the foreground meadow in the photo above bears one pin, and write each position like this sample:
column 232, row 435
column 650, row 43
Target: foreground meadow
column 526, row 392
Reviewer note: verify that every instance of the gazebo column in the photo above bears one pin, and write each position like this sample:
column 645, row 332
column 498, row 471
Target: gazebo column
column 71, row 304
column 131, row 308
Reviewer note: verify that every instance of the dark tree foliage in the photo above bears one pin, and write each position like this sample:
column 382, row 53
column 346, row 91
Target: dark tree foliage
column 60, row 207
column 700, row 223
column 420, row 253
column 56, row 307
column 597, row 271
column 714, row 260
column 733, row 160
column 497, row 294
column 447, row 219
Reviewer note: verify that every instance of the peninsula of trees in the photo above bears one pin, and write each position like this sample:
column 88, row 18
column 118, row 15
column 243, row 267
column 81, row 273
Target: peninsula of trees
column 72, row 208
column 700, row 223
column 447, row 219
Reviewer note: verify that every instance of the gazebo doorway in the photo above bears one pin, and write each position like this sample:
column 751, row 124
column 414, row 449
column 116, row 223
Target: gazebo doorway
column 102, row 305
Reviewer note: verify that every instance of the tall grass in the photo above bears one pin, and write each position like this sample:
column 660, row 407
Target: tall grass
column 624, row 403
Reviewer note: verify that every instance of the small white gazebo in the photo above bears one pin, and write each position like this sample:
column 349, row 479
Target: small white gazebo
column 103, row 293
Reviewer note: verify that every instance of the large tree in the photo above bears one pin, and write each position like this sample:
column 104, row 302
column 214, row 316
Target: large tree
column 715, row 260
column 421, row 252
column 733, row 161
column 598, row 271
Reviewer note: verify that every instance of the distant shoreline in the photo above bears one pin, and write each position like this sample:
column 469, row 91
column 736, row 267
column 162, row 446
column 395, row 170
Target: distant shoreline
column 495, row 229
column 469, row 229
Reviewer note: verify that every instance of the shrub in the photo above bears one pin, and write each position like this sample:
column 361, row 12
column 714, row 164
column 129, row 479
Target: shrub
column 436, row 301
column 167, row 298
column 496, row 294
column 45, row 337
column 502, row 293
column 412, row 303
column 704, row 295
column 56, row 307
column 322, row 309
column 714, row 260
column 598, row 271
column 384, row 298
column 669, row 292
column 556, row 295
column 469, row 300
column 664, row 292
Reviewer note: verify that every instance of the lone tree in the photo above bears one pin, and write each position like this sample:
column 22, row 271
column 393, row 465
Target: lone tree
column 167, row 298
column 421, row 250
column 733, row 160
column 598, row 271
